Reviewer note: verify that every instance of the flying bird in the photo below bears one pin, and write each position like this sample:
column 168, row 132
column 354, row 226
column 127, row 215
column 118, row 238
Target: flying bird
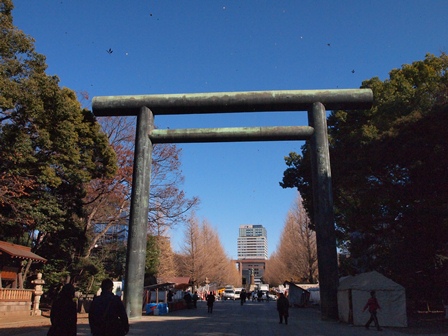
column 109, row 51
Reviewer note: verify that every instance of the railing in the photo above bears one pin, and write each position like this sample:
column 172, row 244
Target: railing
column 16, row 295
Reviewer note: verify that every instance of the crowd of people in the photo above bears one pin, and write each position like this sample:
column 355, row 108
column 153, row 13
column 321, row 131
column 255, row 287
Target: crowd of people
column 107, row 314
column 210, row 297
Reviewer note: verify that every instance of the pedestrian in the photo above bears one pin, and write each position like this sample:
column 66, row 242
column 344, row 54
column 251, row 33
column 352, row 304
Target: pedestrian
column 373, row 306
column 119, row 292
column 64, row 314
column 283, row 308
column 107, row 316
column 170, row 296
column 210, row 301
column 188, row 299
column 260, row 295
column 195, row 299
column 243, row 296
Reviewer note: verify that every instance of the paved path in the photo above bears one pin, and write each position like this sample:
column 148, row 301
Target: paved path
column 229, row 318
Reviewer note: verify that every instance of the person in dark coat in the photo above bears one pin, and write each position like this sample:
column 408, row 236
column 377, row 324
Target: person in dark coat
column 107, row 316
column 373, row 305
column 64, row 314
column 243, row 296
column 188, row 299
column 210, row 301
column 195, row 299
column 260, row 295
column 170, row 296
column 283, row 308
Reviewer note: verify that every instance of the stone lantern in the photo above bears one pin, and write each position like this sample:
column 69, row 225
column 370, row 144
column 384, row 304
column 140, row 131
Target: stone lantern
column 38, row 285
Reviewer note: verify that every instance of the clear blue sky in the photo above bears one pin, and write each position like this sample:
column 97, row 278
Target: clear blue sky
column 209, row 46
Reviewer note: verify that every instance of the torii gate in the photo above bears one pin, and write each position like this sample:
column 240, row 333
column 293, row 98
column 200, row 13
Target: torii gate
column 315, row 102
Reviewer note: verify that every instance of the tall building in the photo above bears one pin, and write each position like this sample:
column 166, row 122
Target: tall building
column 252, row 254
column 252, row 242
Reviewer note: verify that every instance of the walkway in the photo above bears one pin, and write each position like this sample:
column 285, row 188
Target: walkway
column 229, row 318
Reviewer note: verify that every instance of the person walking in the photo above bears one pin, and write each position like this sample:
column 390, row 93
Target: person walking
column 210, row 301
column 64, row 315
column 107, row 315
column 195, row 299
column 260, row 295
column 283, row 308
column 243, row 296
column 373, row 306
column 170, row 296
column 188, row 299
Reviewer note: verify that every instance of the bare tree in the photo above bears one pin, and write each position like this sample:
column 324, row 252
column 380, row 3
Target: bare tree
column 296, row 255
column 189, row 266
column 108, row 200
column 275, row 270
column 166, row 268
column 204, row 255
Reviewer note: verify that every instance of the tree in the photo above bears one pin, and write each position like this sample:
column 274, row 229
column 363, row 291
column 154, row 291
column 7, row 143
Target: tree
column 204, row 257
column 296, row 256
column 107, row 202
column 192, row 249
column 389, row 176
column 50, row 148
column 59, row 180
column 216, row 265
column 166, row 267
column 160, row 262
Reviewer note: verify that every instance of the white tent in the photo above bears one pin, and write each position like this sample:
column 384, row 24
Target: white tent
column 314, row 292
column 354, row 291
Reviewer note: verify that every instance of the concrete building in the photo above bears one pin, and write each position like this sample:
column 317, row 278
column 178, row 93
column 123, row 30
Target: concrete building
column 252, row 242
column 252, row 254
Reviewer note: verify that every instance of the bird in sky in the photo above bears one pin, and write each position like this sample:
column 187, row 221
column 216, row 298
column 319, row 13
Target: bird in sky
column 109, row 51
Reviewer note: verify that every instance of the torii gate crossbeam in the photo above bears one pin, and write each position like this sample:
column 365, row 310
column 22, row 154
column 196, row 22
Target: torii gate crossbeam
column 315, row 102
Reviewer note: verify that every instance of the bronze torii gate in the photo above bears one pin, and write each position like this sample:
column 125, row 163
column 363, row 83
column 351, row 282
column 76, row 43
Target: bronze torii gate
column 315, row 102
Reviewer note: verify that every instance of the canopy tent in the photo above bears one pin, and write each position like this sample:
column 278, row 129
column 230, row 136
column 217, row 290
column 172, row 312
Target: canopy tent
column 354, row 291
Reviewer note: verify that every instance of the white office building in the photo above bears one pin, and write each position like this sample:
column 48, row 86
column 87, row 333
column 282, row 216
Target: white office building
column 252, row 242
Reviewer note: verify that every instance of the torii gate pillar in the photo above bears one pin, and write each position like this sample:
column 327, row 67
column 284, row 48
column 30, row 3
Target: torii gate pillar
column 138, row 219
column 323, row 212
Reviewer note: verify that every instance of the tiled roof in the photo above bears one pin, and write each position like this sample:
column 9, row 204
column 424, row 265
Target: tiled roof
column 19, row 251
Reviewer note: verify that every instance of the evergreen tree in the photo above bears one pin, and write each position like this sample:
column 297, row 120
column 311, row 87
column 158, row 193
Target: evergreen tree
column 389, row 178
column 51, row 148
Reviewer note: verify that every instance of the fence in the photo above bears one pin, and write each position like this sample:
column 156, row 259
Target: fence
column 15, row 295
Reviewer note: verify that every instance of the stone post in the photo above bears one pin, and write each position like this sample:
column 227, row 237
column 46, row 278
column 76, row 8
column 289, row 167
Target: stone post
column 323, row 213
column 138, row 219
column 38, row 284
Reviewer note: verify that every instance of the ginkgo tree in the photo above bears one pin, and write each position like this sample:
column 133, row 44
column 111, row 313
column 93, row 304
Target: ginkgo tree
column 203, row 256
column 295, row 258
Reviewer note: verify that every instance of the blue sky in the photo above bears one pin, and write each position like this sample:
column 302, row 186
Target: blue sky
column 186, row 46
